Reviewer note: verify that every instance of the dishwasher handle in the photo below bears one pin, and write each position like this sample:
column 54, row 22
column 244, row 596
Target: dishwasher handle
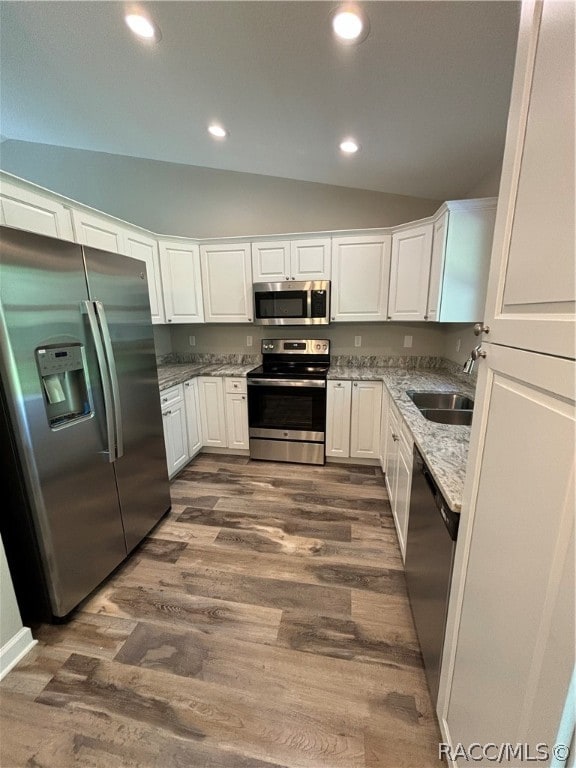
column 451, row 519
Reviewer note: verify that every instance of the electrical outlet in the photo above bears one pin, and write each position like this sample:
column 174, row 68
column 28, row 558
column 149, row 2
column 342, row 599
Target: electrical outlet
column 407, row 341
column 192, row 341
column 248, row 341
column 458, row 345
column 357, row 341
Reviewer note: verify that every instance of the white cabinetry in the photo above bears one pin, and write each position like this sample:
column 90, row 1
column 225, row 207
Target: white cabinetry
column 175, row 434
column 338, row 406
column 139, row 246
column 193, row 423
column 280, row 260
column 398, row 468
column 410, row 273
column 227, row 282
column 34, row 211
column 98, row 231
column 236, row 413
column 361, row 270
column 180, row 266
column 460, row 260
column 212, row 411
column 365, row 419
column 353, row 419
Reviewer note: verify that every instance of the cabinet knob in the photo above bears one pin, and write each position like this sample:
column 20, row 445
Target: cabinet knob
column 333, row 318
column 166, row 413
column 169, row 320
column 480, row 328
column 243, row 397
column 394, row 437
column 389, row 317
column 286, row 278
column 425, row 317
column 164, row 399
column 339, row 384
column 249, row 319
column 355, row 383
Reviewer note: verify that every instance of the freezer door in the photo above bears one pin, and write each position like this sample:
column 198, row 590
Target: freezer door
column 62, row 448
column 118, row 286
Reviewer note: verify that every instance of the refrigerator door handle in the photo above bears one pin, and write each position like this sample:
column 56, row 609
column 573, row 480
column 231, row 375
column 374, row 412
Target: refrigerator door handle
column 113, row 377
column 104, row 376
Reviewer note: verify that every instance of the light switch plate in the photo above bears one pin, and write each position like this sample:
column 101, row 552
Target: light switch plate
column 248, row 341
column 407, row 341
column 192, row 341
column 357, row 341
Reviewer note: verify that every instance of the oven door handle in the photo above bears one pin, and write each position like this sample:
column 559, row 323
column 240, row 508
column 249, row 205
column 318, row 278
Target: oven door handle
column 287, row 383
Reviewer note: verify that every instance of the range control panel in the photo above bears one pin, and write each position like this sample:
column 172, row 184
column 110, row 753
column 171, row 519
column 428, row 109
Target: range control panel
column 296, row 346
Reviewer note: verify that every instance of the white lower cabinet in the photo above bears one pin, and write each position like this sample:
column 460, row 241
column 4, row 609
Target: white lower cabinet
column 365, row 419
column 398, row 469
column 353, row 419
column 193, row 423
column 175, row 432
column 237, row 421
column 212, row 411
column 338, row 405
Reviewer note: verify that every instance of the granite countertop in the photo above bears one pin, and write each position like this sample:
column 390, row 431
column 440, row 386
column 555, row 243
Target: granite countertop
column 443, row 446
column 177, row 373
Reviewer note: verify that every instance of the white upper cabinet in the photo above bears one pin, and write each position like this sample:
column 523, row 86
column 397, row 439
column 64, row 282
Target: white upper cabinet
column 34, row 211
column 280, row 260
column 361, row 270
column 227, row 282
column 531, row 298
column 460, row 260
column 311, row 259
column 270, row 261
column 138, row 246
column 410, row 273
column 181, row 281
column 98, row 231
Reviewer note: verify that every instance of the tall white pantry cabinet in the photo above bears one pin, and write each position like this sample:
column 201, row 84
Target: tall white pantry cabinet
column 509, row 650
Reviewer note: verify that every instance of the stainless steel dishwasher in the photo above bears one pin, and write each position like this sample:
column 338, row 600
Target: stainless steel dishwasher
column 431, row 540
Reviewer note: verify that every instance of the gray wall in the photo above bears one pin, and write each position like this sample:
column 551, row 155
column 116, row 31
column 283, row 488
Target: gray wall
column 173, row 199
column 10, row 621
column 377, row 338
column 488, row 185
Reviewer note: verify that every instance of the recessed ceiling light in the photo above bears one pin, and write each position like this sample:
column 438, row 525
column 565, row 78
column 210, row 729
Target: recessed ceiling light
column 349, row 146
column 143, row 27
column 217, row 131
column 350, row 24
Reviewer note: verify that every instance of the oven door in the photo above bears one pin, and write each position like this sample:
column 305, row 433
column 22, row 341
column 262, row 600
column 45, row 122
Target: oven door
column 274, row 306
column 287, row 419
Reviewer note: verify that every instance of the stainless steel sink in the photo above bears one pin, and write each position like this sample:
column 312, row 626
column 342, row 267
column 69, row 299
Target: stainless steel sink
column 448, row 415
column 443, row 400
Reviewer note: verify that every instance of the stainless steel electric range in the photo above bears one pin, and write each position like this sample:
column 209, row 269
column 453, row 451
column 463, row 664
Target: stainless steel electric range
column 287, row 401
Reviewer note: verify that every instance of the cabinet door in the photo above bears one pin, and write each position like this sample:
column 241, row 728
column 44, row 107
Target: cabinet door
column 402, row 493
column 212, row 414
column 34, row 212
column 365, row 419
column 311, row 259
column 271, row 261
column 193, row 423
column 175, row 437
column 531, row 296
column 410, row 273
column 237, row 421
column 338, row 404
column 146, row 249
column 391, row 461
column 384, row 427
column 361, row 270
column 227, row 283
column 182, row 285
column 98, row 232
column 437, row 267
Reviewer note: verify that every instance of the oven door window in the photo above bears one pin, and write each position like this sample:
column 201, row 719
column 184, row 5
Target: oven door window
column 288, row 408
column 281, row 304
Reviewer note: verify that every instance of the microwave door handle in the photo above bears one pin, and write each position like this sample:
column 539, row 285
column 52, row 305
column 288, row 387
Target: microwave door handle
column 308, row 303
column 104, row 377
column 113, row 377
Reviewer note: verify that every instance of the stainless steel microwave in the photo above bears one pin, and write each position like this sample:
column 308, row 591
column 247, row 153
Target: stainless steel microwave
column 292, row 303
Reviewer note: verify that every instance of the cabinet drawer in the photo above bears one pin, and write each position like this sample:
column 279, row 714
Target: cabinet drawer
column 171, row 396
column 235, row 384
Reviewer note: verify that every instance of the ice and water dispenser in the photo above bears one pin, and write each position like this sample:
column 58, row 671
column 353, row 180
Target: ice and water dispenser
column 64, row 383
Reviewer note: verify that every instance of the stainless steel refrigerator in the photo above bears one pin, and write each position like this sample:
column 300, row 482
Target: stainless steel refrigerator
column 82, row 441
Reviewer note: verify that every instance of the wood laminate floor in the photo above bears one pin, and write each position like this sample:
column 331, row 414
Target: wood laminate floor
column 263, row 624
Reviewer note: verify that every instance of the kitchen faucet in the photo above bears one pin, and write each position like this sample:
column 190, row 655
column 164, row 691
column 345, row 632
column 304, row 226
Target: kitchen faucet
column 474, row 355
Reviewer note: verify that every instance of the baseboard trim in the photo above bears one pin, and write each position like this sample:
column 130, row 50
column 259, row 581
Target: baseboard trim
column 361, row 462
column 15, row 649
